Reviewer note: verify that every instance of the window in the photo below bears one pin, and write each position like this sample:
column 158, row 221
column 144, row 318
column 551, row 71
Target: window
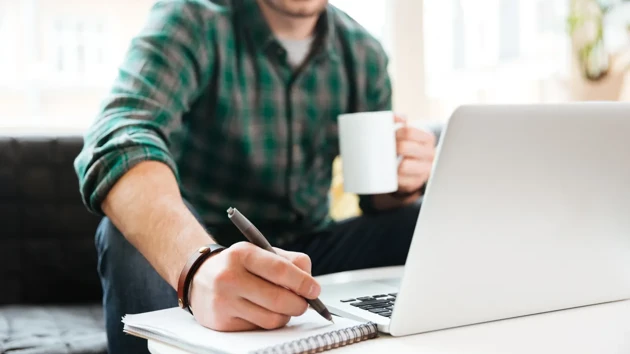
column 79, row 47
column 497, row 51
column 58, row 60
column 7, row 44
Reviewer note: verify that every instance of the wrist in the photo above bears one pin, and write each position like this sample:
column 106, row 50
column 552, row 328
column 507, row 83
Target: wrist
column 186, row 238
column 187, row 274
column 405, row 196
column 382, row 202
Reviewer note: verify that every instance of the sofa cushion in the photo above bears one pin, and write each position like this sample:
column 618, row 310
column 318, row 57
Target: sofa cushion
column 46, row 234
column 52, row 330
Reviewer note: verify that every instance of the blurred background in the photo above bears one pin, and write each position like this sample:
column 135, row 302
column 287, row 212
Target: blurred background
column 58, row 57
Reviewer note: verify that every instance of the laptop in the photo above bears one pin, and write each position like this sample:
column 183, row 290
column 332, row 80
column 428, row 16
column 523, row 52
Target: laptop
column 527, row 211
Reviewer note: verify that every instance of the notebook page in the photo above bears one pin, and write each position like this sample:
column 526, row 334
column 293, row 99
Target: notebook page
column 179, row 328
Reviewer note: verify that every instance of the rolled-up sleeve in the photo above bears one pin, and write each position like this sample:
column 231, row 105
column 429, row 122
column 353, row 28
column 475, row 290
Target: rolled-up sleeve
column 162, row 74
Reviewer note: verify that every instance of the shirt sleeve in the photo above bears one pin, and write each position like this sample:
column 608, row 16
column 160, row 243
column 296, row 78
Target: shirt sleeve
column 378, row 95
column 162, row 74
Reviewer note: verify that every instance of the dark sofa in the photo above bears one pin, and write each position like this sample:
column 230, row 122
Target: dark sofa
column 50, row 294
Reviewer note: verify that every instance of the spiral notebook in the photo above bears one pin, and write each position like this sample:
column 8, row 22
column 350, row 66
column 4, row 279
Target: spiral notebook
column 308, row 333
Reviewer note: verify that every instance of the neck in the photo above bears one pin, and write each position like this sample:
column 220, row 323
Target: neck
column 289, row 27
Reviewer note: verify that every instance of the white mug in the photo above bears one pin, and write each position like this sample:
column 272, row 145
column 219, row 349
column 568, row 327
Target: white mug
column 367, row 145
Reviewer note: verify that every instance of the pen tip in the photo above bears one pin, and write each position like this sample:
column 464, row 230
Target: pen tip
column 230, row 211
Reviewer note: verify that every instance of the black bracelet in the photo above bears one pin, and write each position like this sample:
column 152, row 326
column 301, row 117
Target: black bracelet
column 185, row 278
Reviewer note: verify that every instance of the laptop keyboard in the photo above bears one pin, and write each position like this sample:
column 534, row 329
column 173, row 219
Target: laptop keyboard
column 382, row 304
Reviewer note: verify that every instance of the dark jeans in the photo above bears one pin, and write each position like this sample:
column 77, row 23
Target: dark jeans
column 131, row 285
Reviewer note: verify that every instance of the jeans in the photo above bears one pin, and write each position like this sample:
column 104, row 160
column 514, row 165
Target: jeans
column 131, row 285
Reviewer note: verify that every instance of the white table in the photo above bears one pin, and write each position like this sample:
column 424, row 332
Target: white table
column 600, row 329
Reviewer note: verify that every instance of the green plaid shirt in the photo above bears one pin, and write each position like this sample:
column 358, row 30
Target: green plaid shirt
column 207, row 90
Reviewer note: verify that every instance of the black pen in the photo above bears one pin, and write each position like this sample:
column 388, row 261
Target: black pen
column 256, row 237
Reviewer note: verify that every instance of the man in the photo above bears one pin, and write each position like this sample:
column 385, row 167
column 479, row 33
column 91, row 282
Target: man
column 236, row 105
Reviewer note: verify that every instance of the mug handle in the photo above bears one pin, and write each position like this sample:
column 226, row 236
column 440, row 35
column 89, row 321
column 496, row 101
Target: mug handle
column 396, row 127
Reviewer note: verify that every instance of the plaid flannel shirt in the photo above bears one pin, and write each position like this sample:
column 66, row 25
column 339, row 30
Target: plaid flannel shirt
column 207, row 90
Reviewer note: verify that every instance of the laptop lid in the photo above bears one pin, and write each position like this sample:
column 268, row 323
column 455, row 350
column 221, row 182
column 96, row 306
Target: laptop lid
column 527, row 211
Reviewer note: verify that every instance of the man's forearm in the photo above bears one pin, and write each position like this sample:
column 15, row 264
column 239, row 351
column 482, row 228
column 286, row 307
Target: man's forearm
column 147, row 207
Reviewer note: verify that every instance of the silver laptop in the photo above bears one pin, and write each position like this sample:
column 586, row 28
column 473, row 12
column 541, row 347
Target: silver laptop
column 527, row 211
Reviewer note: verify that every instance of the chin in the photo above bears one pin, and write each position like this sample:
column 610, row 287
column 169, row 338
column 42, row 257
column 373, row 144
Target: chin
column 298, row 8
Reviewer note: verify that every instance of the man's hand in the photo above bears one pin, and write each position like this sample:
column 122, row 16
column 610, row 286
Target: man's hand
column 417, row 149
column 246, row 287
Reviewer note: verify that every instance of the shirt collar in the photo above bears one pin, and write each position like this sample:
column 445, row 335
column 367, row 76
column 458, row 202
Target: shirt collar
column 254, row 23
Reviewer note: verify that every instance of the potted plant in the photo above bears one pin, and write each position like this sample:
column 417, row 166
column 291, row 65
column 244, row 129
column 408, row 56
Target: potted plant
column 599, row 74
column 586, row 28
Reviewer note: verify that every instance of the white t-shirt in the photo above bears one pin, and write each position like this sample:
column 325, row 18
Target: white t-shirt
column 297, row 49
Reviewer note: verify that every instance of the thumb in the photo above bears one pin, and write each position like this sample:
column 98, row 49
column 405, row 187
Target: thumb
column 400, row 118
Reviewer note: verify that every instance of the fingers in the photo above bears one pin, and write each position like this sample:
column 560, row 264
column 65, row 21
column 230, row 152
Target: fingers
column 409, row 184
column 270, row 296
column 260, row 316
column 415, row 150
column 279, row 270
column 399, row 118
column 232, row 324
column 414, row 168
column 412, row 174
column 417, row 147
column 299, row 259
column 422, row 137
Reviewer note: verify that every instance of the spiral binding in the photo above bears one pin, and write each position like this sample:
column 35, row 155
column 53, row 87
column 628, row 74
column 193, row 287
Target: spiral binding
column 326, row 341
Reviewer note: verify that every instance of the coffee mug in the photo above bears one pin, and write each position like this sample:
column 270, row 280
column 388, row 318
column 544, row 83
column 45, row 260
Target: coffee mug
column 367, row 145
